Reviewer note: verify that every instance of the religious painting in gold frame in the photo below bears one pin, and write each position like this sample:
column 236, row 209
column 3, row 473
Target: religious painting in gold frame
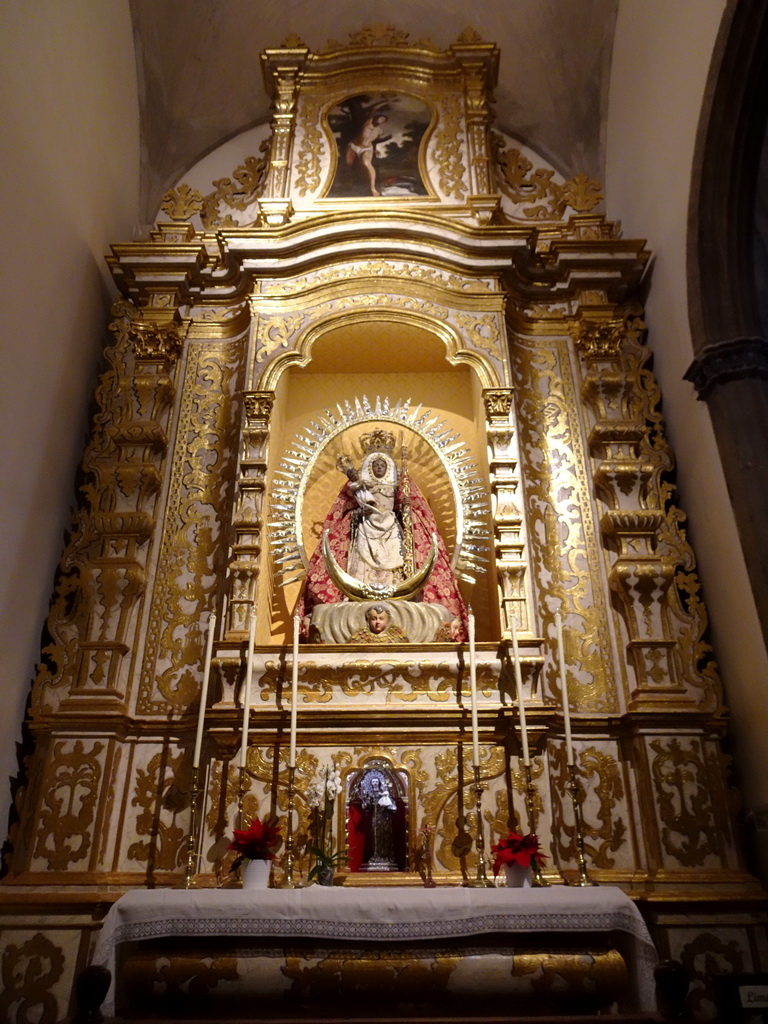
column 378, row 138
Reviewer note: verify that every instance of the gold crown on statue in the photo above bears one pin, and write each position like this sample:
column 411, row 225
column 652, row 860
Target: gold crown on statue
column 378, row 441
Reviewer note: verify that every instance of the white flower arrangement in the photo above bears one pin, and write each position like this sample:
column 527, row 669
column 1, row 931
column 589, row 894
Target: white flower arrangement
column 327, row 788
column 321, row 798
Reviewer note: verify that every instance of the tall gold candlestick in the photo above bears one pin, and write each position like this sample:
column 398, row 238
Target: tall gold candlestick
column 294, row 691
column 481, row 879
column 582, row 879
column 247, row 690
column 473, row 689
column 289, row 881
column 538, row 878
column 189, row 873
column 520, row 698
column 246, row 712
column 189, row 880
column 204, row 691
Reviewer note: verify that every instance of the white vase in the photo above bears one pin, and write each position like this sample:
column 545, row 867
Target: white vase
column 255, row 873
column 518, row 877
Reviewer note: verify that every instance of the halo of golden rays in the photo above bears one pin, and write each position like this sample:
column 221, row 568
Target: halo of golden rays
column 470, row 555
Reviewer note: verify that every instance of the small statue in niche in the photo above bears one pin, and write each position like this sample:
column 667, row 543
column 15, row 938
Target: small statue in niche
column 379, row 629
column 377, row 818
column 377, row 801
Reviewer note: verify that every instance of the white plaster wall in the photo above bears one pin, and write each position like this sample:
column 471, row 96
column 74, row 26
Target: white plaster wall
column 69, row 172
column 660, row 65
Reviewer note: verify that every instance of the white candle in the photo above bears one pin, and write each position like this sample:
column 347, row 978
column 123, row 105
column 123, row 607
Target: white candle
column 294, row 691
column 564, row 688
column 247, row 690
column 473, row 689
column 204, row 691
column 519, row 687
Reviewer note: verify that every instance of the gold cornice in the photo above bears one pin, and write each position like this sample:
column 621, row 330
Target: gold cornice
column 666, row 718
column 138, row 267
column 390, row 49
column 365, row 210
column 218, row 268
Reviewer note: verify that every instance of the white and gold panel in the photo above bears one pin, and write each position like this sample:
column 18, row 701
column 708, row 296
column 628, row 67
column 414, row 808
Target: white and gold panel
column 380, row 245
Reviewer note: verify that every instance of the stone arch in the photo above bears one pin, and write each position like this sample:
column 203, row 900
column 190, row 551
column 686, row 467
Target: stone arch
column 730, row 368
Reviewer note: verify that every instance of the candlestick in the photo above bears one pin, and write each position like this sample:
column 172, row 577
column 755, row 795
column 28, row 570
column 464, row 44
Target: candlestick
column 289, row 881
column 582, row 879
column 189, row 873
column 539, row 881
column 294, row 691
column 247, row 690
column 481, row 880
column 520, row 699
column 564, row 688
column 204, row 691
column 473, row 689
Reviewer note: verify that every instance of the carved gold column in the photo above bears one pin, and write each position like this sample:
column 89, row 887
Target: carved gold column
column 282, row 76
column 248, row 518
column 509, row 538
column 641, row 531
column 125, row 467
column 480, row 65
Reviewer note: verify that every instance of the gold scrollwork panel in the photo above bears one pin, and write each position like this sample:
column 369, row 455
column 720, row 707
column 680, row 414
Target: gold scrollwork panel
column 158, row 983
column 392, row 681
column 35, row 976
column 192, row 550
column 608, row 820
column 707, row 954
column 687, row 779
column 67, row 814
column 566, row 556
column 154, row 840
column 361, row 269
column 447, row 148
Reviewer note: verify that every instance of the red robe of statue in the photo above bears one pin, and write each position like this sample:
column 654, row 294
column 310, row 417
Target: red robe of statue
column 440, row 588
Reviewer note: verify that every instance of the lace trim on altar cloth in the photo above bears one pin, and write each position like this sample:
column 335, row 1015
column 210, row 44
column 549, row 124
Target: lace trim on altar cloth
column 374, row 931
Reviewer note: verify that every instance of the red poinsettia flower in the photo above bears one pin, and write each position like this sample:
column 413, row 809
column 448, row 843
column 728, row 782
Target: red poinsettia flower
column 257, row 840
column 517, row 849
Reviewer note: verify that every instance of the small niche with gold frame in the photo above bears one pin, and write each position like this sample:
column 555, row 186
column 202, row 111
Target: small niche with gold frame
column 377, row 810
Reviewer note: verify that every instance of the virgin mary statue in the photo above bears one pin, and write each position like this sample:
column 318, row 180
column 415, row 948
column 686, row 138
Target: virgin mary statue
column 378, row 529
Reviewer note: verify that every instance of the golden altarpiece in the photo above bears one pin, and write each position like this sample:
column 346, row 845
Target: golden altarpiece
column 388, row 260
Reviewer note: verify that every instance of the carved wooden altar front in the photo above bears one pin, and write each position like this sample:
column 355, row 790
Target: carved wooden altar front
column 287, row 310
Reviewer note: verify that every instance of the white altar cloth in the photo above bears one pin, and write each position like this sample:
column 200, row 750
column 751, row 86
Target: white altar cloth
column 383, row 914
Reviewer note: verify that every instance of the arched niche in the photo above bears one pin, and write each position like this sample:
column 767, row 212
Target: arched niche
column 376, row 355
column 377, row 808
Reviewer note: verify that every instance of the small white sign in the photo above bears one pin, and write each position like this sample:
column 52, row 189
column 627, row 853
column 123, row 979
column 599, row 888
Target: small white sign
column 753, row 996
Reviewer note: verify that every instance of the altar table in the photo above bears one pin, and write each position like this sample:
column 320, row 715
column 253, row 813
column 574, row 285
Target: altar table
column 316, row 950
